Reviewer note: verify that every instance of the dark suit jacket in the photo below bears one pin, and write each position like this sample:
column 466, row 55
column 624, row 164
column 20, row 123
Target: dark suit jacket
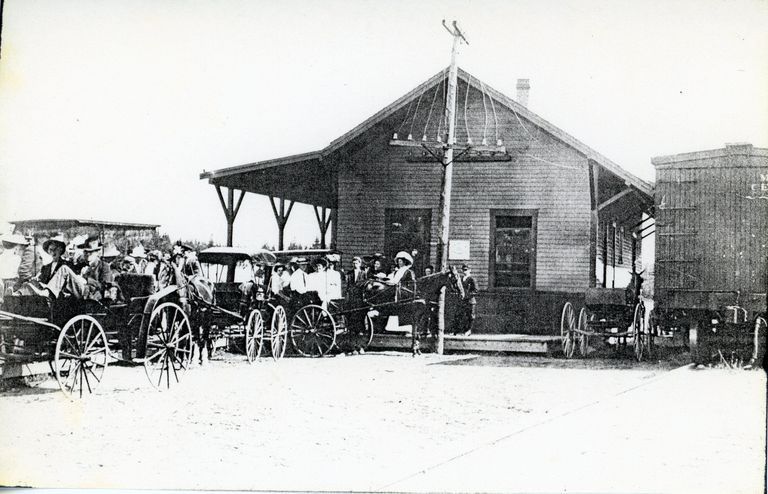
column 45, row 271
column 352, row 279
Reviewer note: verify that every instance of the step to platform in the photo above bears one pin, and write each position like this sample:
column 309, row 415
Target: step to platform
column 512, row 343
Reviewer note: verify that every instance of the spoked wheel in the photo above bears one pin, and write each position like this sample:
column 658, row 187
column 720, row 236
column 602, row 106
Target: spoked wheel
column 583, row 328
column 254, row 335
column 366, row 337
column 169, row 345
column 313, row 331
column 761, row 326
column 81, row 356
column 278, row 330
column 567, row 333
column 639, row 332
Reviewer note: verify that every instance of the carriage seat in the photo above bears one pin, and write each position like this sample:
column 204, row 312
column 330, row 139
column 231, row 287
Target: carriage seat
column 606, row 296
column 135, row 285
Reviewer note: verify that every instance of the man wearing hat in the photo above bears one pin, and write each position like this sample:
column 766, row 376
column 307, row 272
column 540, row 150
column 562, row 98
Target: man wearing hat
column 140, row 257
column 55, row 247
column 465, row 314
column 31, row 262
column 95, row 282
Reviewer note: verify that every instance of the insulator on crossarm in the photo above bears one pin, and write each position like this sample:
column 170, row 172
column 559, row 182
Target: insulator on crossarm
column 394, row 136
column 424, row 138
column 410, row 137
column 469, row 140
column 439, row 139
column 485, row 142
column 498, row 142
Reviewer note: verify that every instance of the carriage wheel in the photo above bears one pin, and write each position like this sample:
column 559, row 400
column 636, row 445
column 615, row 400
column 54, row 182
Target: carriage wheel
column 583, row 336
column 279, row 332
column 313, row 331
column 761, row 326
column 81, row 356
column 567, row 326
column 366, row 337
column 639, row 331
column 169, row 345
column 254, row 335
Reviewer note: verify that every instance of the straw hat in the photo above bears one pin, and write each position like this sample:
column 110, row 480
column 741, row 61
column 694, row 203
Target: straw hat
column 110, row 252
column 138, row 252
column 404, row 256
column 10, row 241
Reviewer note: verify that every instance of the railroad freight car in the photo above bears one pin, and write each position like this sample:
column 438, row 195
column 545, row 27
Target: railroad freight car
column 711, row 210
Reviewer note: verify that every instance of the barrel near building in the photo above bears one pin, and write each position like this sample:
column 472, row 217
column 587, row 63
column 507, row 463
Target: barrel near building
column 712, row 250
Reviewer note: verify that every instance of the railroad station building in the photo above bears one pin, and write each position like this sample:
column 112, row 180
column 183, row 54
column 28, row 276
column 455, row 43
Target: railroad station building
column 538, row 215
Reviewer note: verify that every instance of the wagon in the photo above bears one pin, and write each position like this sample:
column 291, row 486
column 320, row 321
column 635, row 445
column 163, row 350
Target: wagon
column 316, row 330
column 607, row 313
column 79, row 338
column 229, row 312
column 711, row 210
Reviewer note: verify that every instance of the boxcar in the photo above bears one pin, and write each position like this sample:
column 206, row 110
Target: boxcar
column 711, row 251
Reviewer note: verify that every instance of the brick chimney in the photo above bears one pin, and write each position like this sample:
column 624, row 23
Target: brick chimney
column 523, row 88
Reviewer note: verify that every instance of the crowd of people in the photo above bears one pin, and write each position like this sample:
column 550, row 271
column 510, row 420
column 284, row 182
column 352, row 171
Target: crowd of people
column 85, row 269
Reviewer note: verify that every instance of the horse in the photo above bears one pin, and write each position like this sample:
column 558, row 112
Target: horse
column 415, row 300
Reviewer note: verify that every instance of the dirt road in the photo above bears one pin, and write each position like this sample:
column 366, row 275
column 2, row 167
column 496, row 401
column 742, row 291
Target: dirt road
column 389, row 422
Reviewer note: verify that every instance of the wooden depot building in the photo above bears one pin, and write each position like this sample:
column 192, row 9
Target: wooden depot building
column 537, row 214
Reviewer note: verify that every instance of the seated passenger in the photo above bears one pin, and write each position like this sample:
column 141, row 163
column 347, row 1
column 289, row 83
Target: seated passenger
column 95, row 282
column 318, row 281
column 55, row 247
column 403, row 273
column 276, row 281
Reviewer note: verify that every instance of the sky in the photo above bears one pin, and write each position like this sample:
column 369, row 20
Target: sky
column 111, row 109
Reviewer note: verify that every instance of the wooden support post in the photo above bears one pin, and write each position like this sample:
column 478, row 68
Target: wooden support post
column 281, row 217
column 594, row 238
column 323, row 221
column 605, row 256
column 445, row 194
column 334, row 227
column 613, row 257
column 230, row 212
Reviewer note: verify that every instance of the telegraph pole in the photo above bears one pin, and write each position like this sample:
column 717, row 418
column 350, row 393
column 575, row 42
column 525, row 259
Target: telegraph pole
column 445, row 194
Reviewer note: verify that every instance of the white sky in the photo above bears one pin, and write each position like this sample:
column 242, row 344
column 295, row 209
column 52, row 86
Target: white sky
column 111, row 109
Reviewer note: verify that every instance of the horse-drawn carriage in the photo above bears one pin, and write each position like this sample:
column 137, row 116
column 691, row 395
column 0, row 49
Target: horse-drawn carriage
column 617, row 313
column 79, row 338
column 223, row 307
column 317, row 328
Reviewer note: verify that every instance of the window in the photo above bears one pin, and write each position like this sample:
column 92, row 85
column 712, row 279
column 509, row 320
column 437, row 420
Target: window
column 408, row 230
column 513, row 249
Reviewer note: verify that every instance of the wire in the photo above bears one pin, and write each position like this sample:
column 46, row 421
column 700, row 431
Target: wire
column 466, row 98
column 413, row 119
column 495, row 120
column 405, row 119
column 429, row 115
column 485, row 115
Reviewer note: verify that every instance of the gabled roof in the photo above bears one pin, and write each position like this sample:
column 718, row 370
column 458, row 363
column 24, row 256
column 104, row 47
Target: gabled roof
column 631, row 180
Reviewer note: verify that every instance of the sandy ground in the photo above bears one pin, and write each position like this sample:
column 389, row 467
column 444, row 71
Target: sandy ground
column 386, row 421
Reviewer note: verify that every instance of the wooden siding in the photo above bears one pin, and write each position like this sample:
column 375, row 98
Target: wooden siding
column 546, row 175
column 710, row 238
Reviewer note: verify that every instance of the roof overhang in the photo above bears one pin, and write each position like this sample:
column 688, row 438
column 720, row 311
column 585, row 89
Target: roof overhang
column 284, row 176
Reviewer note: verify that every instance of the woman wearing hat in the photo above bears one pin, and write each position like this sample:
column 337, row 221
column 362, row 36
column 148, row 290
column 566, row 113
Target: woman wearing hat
column 403, row 273
column 55, row 247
